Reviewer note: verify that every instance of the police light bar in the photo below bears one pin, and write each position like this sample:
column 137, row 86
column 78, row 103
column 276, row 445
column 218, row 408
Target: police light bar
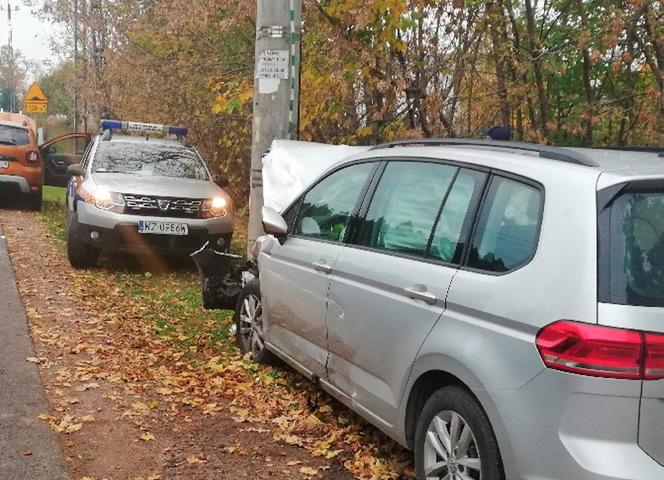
column 143, row 127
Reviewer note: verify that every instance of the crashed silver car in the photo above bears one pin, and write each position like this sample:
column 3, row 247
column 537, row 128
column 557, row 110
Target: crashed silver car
column 495, row 306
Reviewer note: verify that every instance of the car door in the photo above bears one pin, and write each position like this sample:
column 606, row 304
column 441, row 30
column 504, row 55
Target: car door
column 389, row 288
column 61, row 152
column 295, row 276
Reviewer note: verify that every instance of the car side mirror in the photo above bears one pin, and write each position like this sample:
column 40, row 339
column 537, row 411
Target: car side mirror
column 274, row 224
column 75, row 170
column 221, row 180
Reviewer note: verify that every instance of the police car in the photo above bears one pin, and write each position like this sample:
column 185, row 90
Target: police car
column 142, row 194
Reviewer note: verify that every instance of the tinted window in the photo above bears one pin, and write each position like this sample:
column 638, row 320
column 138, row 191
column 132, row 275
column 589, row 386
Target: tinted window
column 149, row 160
column 508, row 229
column 405, row 206
column 326, row 208
column 454, row 222
column 14, row 135
column 637, row 249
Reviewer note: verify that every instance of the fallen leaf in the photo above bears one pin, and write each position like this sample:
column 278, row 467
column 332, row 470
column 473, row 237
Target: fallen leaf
column 87, row 386
column 309, row 471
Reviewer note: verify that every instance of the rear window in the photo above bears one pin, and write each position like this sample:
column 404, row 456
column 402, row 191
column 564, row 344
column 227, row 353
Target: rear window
column 635, row 250
column 14, row 135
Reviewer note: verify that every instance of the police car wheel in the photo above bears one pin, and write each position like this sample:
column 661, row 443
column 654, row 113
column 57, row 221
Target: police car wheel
column 248, row 319
column 79, row 253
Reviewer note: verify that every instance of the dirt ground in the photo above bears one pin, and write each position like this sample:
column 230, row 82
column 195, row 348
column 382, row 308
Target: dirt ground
column 114, row 419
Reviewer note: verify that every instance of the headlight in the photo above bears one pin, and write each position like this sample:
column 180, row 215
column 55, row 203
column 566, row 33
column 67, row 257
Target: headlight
column 102, row 198
column 214, row 207
column 109, row 200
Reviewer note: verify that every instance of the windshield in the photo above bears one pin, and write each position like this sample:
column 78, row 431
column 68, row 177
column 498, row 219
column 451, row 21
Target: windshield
column 14, row 135
column 149, row 159
column 636, row 249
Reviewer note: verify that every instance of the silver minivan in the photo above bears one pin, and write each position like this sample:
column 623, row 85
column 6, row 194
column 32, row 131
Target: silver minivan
column 498, row 307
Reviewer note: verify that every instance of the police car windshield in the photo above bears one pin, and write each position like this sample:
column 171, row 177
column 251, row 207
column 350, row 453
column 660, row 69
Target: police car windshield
column 13, row 135
column 149, row 159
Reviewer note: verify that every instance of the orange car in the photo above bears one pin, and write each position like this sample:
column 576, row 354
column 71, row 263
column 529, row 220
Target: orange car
column 21, row 165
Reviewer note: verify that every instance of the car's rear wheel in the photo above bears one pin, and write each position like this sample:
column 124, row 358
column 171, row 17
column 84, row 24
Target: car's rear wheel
column 249, row 324
column 79, row 253
column 454, row 439
column 35, row 200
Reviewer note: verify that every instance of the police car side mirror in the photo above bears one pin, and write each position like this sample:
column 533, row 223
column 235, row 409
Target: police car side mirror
column 75, row 170
column 221, row 180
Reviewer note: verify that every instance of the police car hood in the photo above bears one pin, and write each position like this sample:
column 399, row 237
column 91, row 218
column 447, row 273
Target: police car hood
column 157, row 186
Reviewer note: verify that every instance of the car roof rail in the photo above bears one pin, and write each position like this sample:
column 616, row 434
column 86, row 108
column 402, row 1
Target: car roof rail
column 635, row 148
column 544, row 151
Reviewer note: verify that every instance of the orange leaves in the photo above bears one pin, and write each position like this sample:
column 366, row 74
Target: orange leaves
column 67, row 424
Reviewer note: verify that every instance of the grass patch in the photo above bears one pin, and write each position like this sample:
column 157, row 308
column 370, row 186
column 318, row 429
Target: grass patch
column 54, row 210
column 170, row 300
column 172, row 303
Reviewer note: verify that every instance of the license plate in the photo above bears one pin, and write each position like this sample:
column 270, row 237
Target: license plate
column 163, row 228
column 4, row 163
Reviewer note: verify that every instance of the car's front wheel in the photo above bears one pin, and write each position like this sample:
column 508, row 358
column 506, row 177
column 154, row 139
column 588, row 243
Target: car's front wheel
column 454, row 439
column 248, row 318
column 79, row 253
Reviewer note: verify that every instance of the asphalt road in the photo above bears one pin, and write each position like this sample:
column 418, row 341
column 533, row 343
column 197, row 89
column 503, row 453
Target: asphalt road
column 29, row 449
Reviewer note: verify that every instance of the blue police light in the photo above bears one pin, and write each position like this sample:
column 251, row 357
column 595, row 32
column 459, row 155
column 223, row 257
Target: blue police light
column 179, row 131
column 111, row 124
column 143, row 127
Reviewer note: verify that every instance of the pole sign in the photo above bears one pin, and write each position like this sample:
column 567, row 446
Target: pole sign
column 35, row 101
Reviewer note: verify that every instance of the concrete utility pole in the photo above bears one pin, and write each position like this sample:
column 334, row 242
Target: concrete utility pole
column 276, row 91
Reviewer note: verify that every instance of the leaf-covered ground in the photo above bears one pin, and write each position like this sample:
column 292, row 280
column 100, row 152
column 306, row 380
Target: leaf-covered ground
column 145, row 384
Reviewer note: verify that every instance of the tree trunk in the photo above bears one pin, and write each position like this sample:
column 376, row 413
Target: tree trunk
column 587, row 87
column 535, row 56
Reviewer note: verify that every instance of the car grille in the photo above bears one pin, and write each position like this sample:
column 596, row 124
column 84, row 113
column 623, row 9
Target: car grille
column 162, row 206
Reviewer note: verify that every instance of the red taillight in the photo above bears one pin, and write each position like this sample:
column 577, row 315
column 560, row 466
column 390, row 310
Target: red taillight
column 600, row 351
column 32, row 156
column 653, row 364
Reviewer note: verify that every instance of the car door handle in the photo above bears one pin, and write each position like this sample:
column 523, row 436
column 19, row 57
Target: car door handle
column 419, row 293
column 322, row 267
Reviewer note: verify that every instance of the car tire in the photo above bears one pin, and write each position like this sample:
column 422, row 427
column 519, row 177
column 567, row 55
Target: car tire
column 475, row 450
column 249, row 325
column 35, row 200
column 79, row 253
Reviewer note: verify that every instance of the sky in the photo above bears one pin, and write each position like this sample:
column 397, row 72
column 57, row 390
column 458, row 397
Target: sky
column 31, row 35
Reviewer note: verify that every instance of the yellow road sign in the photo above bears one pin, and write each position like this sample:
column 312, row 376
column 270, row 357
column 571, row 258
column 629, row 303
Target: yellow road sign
column 35, row 107
column 35, row 101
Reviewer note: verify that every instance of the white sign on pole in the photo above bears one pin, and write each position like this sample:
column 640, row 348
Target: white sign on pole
column 273, row 64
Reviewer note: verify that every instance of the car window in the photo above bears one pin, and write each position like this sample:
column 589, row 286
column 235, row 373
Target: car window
column 149, row 160
column 326, row 208
column 508, row 228
column 637, row 249
column 454, row 222
column 405, row 206
column 14, row 135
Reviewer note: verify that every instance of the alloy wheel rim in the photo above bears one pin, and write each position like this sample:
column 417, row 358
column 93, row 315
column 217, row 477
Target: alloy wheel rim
column 450, row 449
column 251, row 325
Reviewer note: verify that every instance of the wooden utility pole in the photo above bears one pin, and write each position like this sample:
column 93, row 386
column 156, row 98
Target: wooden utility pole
column 276, row 91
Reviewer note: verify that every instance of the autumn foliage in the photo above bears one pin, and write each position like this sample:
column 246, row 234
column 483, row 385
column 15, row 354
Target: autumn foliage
column 570, row 72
